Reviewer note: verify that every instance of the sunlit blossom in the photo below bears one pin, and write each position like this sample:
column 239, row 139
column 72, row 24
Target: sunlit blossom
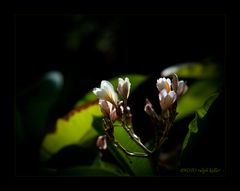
column 106, row 92
column 163, row 83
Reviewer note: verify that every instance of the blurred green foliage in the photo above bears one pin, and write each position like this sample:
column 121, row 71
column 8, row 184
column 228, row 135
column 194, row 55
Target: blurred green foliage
column 200, row 113
column 206, row 79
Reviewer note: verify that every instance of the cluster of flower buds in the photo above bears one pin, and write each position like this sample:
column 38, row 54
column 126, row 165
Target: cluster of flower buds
column 169, row 92
column 113, row 107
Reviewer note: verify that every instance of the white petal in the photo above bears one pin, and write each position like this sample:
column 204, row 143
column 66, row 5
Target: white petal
column 127, row 81
column 106, row 85
column 128, row 84
column 163, row 83
column 120, row 81
column 160, row 85
column 173, row 95
column 167, row 99
column 162, row 94
column 120, row 85
column 95, row 90
column 110, row 94
column 100, row 93
column 114, row 97
column 169, row 82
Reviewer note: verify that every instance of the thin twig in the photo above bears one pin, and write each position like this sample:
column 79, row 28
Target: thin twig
column 135, row 154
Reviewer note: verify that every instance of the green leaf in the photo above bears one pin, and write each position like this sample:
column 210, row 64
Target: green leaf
column 195, row 70
column 75, row 128
column 195, row 97
column 200, row 113
column 38, row 99
column 135, row 166
column 97, row 168
column 207, row 76
column 135, row 79
column 141, row 166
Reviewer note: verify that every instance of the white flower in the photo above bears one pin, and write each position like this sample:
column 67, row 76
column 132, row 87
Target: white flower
column 124, row 87
column 108, row 109
column 167, row 98
column 182, row 88
column 102, row 142
column 163, row 83
column 106, row 92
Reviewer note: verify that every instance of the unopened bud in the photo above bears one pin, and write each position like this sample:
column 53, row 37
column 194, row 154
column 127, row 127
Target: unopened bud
column 102, row 142
column 182, row 88
column 148, row 108
column 124, row 87
column 174, row 82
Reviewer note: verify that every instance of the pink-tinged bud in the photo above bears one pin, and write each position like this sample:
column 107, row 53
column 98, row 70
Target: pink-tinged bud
column 102, row 142
column 113, row 114
column 182, row 88
column 104, row 106
column 148, row 108
column 108, row 109
column 124, row 87
column 167, row 98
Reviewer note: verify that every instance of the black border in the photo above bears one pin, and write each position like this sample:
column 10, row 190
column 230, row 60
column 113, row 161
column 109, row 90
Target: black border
column 99, row 8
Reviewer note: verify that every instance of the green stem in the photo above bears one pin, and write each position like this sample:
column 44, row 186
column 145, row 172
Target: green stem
column 164, row 135
column 135, row 154
column 136, row 139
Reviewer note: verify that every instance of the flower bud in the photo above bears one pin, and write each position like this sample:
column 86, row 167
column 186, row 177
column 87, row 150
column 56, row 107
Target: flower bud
column 124, row 87
column 148, row 108
column 108, row 109
column 102, row 142
column 167, row 98
column 182, row 88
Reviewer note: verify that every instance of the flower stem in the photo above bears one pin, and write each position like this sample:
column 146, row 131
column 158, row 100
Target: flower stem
column 136, row 139
column 135, row 154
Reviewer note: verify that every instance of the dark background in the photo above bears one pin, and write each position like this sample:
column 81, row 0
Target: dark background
column 144, row 44
column 141, row 43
